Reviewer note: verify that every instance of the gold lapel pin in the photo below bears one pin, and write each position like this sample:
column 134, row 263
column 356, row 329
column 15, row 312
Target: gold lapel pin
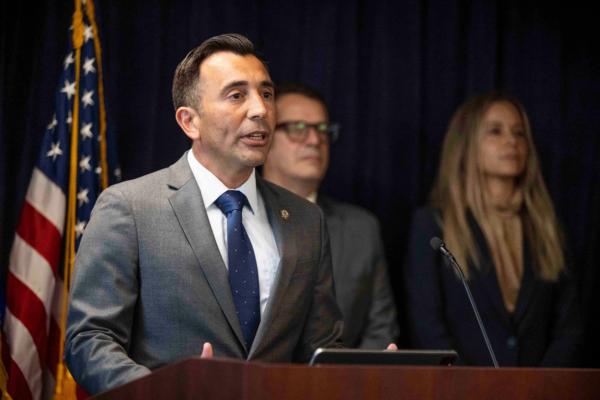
column 285, row 214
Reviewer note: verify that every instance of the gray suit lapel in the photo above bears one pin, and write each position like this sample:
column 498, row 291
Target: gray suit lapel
column 189, row 208
column 286, row 243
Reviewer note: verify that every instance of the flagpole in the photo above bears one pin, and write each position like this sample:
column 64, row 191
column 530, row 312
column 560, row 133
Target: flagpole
column 60, row 391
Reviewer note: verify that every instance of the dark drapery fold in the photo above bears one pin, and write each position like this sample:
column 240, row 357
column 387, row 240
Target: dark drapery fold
column 392, row 72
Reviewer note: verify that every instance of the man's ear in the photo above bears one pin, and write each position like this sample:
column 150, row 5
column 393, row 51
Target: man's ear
column 187, row 118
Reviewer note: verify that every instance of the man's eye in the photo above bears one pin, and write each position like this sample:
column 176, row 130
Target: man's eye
column 268, row 95
column 236, row 96
column 299, row 125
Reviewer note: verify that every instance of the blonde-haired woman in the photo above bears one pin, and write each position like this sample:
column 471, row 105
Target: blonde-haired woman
column 492, row 209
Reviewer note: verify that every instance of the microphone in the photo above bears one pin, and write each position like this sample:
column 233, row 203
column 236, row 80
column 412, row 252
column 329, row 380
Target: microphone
column 438, row 245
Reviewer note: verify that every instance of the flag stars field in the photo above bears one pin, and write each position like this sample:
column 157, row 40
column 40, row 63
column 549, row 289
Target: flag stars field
column 88, row 33
column 87, row 99
column 88, row 66
column 68, row 60
column 69, row 89
column 52, row 123
column 84, row 163
column 55, row 151
column 86, row 131
column 82, row 197
column 79, row 228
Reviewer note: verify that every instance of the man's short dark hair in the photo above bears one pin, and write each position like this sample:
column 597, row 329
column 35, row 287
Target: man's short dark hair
column 187, row 74
column 301, row 89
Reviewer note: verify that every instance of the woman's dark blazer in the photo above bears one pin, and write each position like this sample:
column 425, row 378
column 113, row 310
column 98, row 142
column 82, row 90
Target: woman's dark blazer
column 544, row 330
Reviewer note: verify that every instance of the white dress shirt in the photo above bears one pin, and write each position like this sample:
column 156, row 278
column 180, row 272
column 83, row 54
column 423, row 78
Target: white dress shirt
column 254, row 219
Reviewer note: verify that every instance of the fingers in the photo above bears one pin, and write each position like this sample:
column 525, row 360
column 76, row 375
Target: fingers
column 207, row 351
column 392, row 346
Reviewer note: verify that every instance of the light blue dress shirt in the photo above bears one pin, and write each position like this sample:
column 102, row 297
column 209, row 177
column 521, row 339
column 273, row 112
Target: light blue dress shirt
column 255, row 222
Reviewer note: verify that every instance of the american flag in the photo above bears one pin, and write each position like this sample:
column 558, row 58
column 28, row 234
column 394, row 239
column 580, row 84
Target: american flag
column 64, row 185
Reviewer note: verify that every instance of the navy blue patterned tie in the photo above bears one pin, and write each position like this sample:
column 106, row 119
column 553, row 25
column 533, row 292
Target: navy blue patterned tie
column 243, row 274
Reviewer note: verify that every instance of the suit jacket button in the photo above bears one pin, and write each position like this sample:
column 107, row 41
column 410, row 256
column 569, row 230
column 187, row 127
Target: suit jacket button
column 511, row 343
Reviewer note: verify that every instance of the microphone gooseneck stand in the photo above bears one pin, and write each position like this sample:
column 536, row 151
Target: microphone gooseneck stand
column 438, row 244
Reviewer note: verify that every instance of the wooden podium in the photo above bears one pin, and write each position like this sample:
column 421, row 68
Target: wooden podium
column 195, row 378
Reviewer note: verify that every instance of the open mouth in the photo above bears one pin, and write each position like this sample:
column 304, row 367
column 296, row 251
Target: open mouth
column 258, row 138
column 257, row 135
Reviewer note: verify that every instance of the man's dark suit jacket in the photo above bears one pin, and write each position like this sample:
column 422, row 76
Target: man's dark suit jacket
column 360, row 273
column 151, row 287
column 544, row 330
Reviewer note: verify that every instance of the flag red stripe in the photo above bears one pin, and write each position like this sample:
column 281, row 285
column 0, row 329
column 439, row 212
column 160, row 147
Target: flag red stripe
column 81, row 393
column 29, row 309
column 17, row 385
column 40, row 234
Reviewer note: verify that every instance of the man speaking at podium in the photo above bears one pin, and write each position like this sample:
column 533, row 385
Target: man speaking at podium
column 203, row 256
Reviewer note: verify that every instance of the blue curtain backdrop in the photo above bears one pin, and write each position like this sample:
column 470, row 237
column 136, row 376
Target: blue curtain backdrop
column 392, row 71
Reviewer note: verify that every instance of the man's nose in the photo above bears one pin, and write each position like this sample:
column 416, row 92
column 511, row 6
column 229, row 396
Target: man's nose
column 257, row 107
column 313, row 137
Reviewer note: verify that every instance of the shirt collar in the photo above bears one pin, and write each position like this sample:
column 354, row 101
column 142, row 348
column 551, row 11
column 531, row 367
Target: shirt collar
column 211, row 187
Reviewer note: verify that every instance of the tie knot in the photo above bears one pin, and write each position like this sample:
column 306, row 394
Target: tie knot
column 231, row 200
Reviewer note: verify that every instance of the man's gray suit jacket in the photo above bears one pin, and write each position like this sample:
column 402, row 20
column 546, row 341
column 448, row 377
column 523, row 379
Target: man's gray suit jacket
column 360, row 273
column 151, row 287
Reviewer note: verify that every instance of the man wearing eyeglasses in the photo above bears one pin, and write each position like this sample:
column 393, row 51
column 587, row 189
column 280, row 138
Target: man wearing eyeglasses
column 298, row 161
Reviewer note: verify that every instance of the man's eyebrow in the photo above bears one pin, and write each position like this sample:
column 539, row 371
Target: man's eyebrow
column 242, row 83
column 268, row 84
column 232, row 85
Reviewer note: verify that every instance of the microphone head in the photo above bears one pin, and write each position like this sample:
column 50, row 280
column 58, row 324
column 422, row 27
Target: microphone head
column 436, row 243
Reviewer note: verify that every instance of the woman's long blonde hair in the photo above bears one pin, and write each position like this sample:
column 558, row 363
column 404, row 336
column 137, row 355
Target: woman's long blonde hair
column 459, row 188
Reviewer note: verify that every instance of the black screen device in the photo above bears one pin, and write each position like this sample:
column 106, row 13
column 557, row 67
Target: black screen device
column 383, row 357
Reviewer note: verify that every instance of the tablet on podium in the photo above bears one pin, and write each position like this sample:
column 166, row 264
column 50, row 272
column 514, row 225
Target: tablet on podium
column 383, row 357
